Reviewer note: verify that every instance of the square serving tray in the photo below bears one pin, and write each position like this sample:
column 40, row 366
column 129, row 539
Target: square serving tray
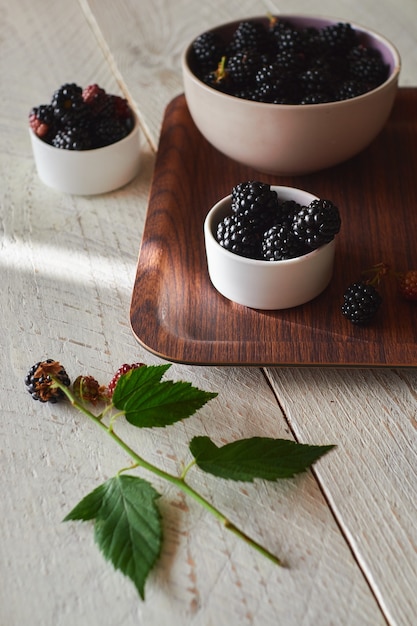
column 178, row 315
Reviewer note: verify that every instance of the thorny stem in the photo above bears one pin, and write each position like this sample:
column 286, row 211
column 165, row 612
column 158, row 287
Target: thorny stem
column 179, row 482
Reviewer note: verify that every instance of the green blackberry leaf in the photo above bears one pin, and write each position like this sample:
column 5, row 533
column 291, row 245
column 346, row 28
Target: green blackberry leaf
column 258, row 457
column 147, row 402
column 164, row 403
column 133, row 381
column 127, row 525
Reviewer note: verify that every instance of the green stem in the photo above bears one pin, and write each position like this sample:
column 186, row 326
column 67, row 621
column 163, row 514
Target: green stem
column 187, row 468
column 179, row 482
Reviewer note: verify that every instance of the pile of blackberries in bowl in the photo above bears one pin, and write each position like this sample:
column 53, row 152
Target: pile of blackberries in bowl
column 85, row 140
column 271, row 247
column 290, row 94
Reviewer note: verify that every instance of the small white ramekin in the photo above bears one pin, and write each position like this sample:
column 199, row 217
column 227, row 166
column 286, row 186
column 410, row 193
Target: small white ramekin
column 267, row 285
column 88, row 172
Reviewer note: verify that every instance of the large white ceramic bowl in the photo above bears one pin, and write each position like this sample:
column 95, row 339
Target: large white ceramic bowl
column 88, row 172
column 266, row 285
column 292, row 139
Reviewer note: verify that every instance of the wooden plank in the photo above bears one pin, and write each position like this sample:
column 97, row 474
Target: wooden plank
column 371, row 482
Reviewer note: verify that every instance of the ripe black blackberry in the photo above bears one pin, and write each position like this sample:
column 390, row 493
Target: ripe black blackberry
column 361, row 302
column 253, row 199
column 284, row 36
column 249, row 35
column 68, row 104
column 107, row 131
column 316, row 78
column 317, row 223
column 73, row 138
column 40, row 384
column 240, row 236
column 271, row 83
column 279, row 243
column 339, row 38
column 367, row 66
column 242, row 68
column 207, row 50
column 350, row 88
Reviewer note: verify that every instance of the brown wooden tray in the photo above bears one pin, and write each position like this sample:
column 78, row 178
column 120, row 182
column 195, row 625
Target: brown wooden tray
column 177, row 314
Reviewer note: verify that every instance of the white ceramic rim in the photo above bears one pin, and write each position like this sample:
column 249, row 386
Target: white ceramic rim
column 393, row 77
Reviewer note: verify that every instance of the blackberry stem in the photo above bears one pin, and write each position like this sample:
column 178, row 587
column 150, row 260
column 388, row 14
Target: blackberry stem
column 179, row 482
column 376, row 273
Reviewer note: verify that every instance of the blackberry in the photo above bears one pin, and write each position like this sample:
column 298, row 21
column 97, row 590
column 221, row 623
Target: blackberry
column 271, row 83
column 40, row 384
column 123, row 369
column 242, row 67
column 121, row 108
column 361, row 302
column 351, row 88
column 67, row 103
column 249, row 36
column 339, row 38
column 108, row 131
column 279, row 243
column 88, row 389
column 42, row 121
column 255, row 200
column 315, row 79
column 207, row 50
column 284, row 35
column 240, row 236
column 317, row 223
column 73, row 138
column 97, row 100
column 289, row 209
column 366, row 65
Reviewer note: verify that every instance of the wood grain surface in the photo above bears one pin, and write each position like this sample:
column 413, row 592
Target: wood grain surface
column 177, row 313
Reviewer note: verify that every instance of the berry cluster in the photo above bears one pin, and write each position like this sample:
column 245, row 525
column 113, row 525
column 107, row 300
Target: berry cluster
column 40, row 383
column 82, row 119
column 282, row 64
column 262, row 226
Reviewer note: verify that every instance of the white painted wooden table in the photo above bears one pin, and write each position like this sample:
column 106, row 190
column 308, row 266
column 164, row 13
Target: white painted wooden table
column 348, row 529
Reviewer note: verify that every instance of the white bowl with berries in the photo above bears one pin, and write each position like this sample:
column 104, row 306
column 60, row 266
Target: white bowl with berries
column 292, row 94
column 271, row 247
column 85, row 141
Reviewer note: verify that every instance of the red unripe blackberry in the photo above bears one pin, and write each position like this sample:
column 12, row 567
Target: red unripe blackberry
column 407, row 285
column 123, row 369
column 40, row 384
column 41, row 120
